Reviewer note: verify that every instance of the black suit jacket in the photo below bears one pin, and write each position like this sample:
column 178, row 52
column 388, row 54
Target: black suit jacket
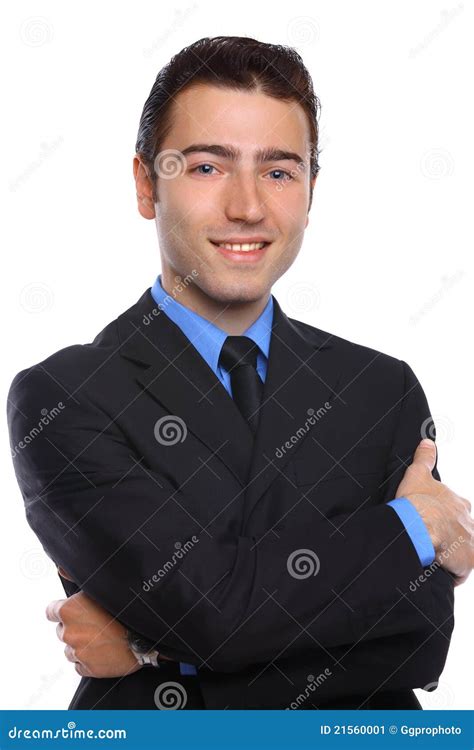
column 268, row 562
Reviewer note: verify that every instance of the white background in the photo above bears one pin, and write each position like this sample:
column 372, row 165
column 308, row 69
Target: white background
column 386, row 259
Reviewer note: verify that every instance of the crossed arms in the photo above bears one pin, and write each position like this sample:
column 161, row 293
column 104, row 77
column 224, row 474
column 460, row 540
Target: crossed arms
column 110, row 521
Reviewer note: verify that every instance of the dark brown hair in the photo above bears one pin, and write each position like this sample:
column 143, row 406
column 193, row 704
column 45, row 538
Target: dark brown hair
column 234, row 62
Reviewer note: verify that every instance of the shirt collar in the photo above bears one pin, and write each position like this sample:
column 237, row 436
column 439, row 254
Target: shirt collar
column 205, row 336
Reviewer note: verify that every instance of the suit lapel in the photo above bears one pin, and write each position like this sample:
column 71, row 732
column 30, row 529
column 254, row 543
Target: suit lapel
column 301, row 376
column 182, row 381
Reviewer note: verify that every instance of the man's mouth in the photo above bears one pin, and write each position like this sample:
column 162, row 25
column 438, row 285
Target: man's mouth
column 241, row 247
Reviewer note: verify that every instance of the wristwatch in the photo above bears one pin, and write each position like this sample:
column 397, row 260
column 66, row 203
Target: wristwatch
column 143, row 650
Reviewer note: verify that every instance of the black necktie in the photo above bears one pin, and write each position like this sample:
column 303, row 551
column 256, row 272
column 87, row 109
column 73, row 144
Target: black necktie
column 239, row 357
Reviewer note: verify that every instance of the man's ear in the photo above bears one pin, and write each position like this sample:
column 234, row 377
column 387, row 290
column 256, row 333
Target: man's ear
column 144, row 188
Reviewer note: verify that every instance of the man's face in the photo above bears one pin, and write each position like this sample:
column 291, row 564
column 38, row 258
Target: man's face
column 214, row 199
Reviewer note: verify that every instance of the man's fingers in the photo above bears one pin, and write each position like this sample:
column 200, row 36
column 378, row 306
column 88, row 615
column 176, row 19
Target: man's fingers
column 60, row 631
column 53, row 610
column 425, row 454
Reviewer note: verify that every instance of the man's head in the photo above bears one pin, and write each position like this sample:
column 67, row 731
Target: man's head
column 251, row 110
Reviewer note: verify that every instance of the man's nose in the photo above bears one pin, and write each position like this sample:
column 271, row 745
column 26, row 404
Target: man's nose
column 244, row 201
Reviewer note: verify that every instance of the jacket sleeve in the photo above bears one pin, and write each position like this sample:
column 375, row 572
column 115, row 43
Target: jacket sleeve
column 219, row 599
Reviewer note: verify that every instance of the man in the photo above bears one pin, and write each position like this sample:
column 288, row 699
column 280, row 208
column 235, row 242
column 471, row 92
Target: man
column 239, row 505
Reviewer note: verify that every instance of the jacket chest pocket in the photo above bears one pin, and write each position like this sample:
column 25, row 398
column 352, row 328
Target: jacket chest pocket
column 322, row 467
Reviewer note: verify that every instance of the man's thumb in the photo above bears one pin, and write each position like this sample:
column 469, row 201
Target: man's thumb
column 426, row 453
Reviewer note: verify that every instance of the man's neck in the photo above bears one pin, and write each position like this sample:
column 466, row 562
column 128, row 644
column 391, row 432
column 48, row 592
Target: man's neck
column 234, row 318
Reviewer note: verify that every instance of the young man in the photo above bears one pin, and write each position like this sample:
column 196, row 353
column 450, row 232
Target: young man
column 238, row 503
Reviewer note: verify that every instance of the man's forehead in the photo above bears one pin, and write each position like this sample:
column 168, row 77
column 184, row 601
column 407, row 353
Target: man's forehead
column 244, row 122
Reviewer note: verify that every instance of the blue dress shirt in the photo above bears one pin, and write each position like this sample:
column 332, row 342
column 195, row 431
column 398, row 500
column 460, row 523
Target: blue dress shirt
column 208, row 339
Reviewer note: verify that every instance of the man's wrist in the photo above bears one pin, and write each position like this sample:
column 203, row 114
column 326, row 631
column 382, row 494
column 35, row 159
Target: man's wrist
column 143, row 649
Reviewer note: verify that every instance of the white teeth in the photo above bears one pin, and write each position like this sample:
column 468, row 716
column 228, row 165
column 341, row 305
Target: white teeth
column 245, row 248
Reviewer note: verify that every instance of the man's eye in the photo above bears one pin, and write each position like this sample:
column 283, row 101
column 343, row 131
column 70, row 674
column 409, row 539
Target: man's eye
column 202, row 166
column 287, row 175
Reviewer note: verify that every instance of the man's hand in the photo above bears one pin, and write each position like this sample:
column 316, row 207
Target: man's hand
column 445, row 514
column 95, row 641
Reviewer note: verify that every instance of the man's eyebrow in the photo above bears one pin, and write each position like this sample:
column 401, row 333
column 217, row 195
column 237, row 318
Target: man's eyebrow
column 262, row 155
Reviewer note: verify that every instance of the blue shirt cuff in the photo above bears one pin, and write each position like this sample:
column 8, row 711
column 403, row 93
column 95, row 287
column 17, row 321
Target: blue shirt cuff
column 416, row 529
column 187, row 668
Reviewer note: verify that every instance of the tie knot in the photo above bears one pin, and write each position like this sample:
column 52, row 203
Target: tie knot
column 237, row 351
